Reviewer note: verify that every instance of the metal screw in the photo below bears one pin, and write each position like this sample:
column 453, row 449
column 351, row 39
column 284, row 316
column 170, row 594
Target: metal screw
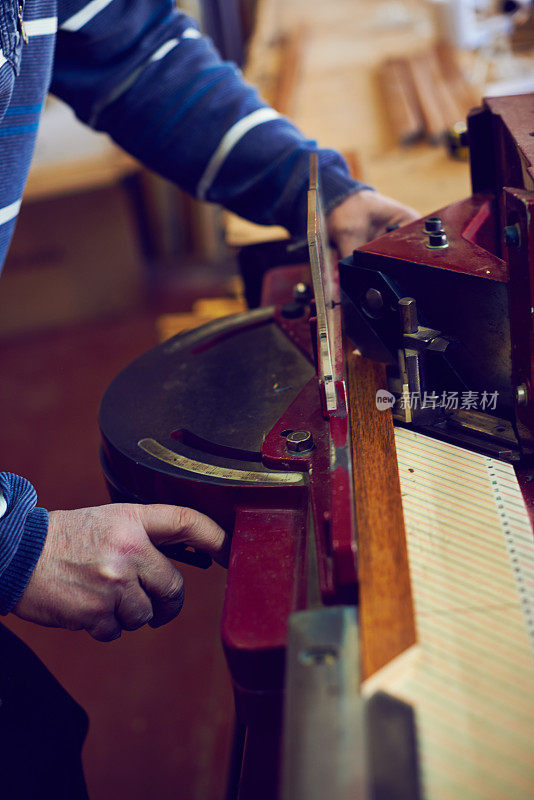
column 521, row 394
column 299, row 441
column 433, row 225
column 512, row 236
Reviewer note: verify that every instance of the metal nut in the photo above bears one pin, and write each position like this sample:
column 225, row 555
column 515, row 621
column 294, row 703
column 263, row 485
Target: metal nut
column 433, row 225
column 437, row 241
column 299, row 441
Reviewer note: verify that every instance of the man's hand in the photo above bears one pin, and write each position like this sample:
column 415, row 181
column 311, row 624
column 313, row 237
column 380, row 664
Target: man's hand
column 364, row 216
column 100, row 570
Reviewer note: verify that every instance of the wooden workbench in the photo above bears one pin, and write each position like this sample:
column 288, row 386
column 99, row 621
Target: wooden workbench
column 336, row 97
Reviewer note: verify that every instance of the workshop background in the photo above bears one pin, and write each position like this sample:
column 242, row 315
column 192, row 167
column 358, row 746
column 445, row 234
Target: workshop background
column 108, row 259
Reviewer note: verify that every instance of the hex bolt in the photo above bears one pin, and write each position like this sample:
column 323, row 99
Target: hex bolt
column 512, row 236
column 521, row 394
column 437, row 241
column 299, row 441
column 433, row 225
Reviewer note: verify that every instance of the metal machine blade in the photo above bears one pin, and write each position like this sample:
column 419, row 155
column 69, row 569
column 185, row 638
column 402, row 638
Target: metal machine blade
column 322, row 283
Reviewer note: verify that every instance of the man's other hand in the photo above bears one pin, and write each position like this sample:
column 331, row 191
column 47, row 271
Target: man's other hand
column 100, row 570
column 364, row 216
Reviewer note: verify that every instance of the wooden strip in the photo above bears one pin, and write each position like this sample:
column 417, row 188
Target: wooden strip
column 435, row 124
column 451, row 109
column 467, row 95
column 401, row 100
column 386, row 611
column 292, row 48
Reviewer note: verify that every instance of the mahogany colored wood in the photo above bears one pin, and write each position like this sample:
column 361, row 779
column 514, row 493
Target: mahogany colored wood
column 387, row 624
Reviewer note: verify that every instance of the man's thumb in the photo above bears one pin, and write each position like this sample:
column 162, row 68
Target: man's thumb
column 173, row 524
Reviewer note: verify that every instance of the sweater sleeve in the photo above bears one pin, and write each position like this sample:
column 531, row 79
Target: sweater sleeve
column 141, row 71
column 23, row 529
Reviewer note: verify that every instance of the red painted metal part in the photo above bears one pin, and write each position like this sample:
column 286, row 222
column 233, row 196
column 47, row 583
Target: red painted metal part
column 267, row 576
column 266, row 582
column 466, row 253
column 277, row 286
column 328, row 466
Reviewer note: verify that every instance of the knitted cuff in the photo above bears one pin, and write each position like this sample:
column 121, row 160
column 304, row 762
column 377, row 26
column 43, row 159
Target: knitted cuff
column 336, row 185
column 17, row 574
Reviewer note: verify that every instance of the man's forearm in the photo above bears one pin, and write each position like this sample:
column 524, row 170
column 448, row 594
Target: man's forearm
column 162, row 92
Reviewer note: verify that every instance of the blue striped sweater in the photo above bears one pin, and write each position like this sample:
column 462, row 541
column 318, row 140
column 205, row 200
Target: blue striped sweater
column 141, row 71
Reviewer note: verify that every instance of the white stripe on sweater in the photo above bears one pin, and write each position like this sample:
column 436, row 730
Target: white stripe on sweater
column 164, row 49
column 161, row 52
column 191, row 33
column 40, row 27
column 3, row 505
column 85, row 15
column 9, row 212
column 128, row 82
column 228, row 142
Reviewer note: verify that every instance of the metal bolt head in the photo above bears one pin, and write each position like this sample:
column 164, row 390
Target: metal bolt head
column 512, row 236
column 299, row 441
column 521, row 394
column 301, row 292
column 374, row 300
column 437, row 241
column 433, row 225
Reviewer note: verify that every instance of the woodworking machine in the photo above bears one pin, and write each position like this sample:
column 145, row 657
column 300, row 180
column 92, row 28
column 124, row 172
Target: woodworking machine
column 447, row 302
column 248, row 419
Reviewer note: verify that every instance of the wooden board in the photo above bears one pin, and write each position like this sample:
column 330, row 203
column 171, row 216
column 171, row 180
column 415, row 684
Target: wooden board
column 387, row 626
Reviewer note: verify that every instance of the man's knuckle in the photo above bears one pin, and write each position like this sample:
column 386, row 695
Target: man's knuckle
column 173, row 588
column 97, row 610
column 184, row 517
column 142, row 619
column 129, row 511
column 105, row 634
column 130, row 546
